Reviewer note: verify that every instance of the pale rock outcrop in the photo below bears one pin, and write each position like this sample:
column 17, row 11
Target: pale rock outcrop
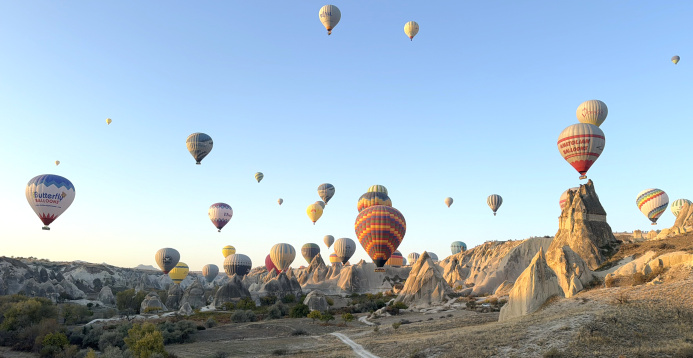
column 683, row 223
column 636, row 265
column 454, row 274
column 652, row 235
column 232, row 290
column 504, row 289
column 175, row 295
column 152, row 303
column 106, row 296
column 534, row 286
column 270, row 276
column 425, row 285
column 571, row 270
column 637, row 235
column 185, row 309
column 280, row 286
column 194, row 296
column 316, row 301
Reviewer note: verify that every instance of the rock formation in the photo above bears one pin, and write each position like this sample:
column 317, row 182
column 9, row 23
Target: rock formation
column 232, row 290
column 316, row 301
column 279, row 286
column 425, row 285
column 106, row 296
column 175, row 295
column 682, row 225
column 152, row 303
column 194, row 296
column 185, row 310
column 534, row 286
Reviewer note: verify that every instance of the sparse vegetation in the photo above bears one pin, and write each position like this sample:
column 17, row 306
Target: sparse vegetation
column 298, row 311
column 347, row 317
column 314, row 315
column 396, row 325
column 553, row 353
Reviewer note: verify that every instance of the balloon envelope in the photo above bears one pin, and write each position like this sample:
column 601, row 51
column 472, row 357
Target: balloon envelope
column 652, row 203
column 411, row 28
column 108, row 121
column 220, row 214
column 321, row 203
column 458, row 246
column 280, row 201
column 309, row 251
column 413, row 257
column 259, row 176
column 494, row 201
column 237, row 264
column 592, row 112
column 377, row 189
column 371, row 199
column 210, row 272
column 167, row 258
column 179, row 273
column 328, row 240
column 49, row 196
column 334, row 259
column 580, row 145
column 57, row 162
column 380, row 230
column 678, row 204
column 199, row 145
column 395, row 260
column 282, row 256
column 228, row 250
column 314, row 212
column 344, row 248
column 433, row 256
column 329, row 16
column 326, row 192
column 448, row 201
column 269, row 265
column 675, row 59
column 563, row 201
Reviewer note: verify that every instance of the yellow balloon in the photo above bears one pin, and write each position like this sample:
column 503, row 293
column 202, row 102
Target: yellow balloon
column 228, row 250
column 179, row 273
column 411, row 28
column 314, row 212
column 108, row 121
column 57, row 162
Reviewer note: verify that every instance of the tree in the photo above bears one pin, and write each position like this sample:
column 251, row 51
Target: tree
column 129, row 301
column 145, row 340
column 27, row 312
column 315, row 315
column 298, row 311
column 326, row 317
column 347, row 317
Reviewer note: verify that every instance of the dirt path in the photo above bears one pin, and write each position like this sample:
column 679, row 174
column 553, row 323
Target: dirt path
column 358, row 349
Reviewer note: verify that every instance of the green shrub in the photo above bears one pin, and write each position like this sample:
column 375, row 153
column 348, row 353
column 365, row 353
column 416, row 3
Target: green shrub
column 268, row 300
column 145, row 341
column 315, row 315
column 400, row 305
column 326, row 317
column 274, row 313
column 299, row 311
column 240, row 316
column 27, row 312
column 130, row 301
column 471, row 304
column 210, row 322
column 178, row 332
column 284, row 309
column 347, row 317
column 299, row 332
column 229, row 306
column 246, row 303
column 396, row 325
column 111, row 339
column 330, row 301
column 53, row 344
column 289, row 298
column 553, row 353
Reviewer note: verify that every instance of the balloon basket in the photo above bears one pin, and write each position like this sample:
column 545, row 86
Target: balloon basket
column 653, row 224
column 583, row 177
column 198, row 163
column 494, row 214
column 45, row 228
column 379, row 269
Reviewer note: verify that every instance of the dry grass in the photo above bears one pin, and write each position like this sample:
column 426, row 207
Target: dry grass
column 679, row 243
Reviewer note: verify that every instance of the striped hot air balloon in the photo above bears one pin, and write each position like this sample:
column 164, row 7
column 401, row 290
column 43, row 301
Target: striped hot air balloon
column 563, row 201
column 220, row 214
column 328, row 240
column 49, row 196
column 580, row 145
column 326, row 192
column 413, row 257
column 228, row 250
column 330, row 16
column 380, row 229
column 259, row 176
column 395, row 260
column 652, row 203
column 309, row 251
column 166, row 259
column 179, row 273
column 344, row 248
column 371, row 199
column 592, row 112
column 210, row 272
column 269, row 265
column 282, row 256
column 280, row 201
column 494, row 201
column 237, row 264
column 678, row 204
column 377, row 189
column 199, row 146
column 458, row 246
column 334, row 259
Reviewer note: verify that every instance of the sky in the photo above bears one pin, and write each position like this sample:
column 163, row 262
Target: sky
column 472, row 106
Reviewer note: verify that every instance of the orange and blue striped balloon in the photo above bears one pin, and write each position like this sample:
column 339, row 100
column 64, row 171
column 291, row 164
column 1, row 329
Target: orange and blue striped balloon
column 380, row 230
column 371, row 199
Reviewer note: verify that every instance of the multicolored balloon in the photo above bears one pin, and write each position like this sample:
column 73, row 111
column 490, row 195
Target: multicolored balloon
column 458, row 246
column 179, row 273
column 282, row 256
column 199, row 145
column 592, row 112
column 167, row 258
column 326, row 192
column 652, row 203
column 678, row 204
column 395, row 260
column 314, row 212
column 329, row 16
column 237, row 264
column 228, row 250
column 494, row 201
column 563, row 201
column 108, row 121
column 380, row 229
column 309, row 251
column 259, row 176
column 411, row 28
column 377, row 189
column 334, row 259
column 328, row 240
column 269, row 265
column 220, row 214
column 448, row 201
column 280, row 201
column 581, row 145
column 49, row 195
column 371, row 199
column 675, row 59
column 344, row 248
column 413, row 257
column 210, row 272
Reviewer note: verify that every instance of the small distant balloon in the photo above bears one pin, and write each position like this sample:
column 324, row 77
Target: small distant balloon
column 326, row 192
column 378, row 189
column 411, row 28
column 259, row 176
column 108, row 121
column 49, row 196
column 179, row 273
column 210, row 272
column 329, row 16
column 675, row 59
column 448, row 201
column 167, row 258
column 344, row 248
column 334, row 259
column 494, row 201
column 652, row 203
column 413, row 257
column 280, row 201
column 314, row 212
column 199, row 145
column 328, row 240
column 220, row 214
column 592, row 112
column 57, row 162
column 228, row 250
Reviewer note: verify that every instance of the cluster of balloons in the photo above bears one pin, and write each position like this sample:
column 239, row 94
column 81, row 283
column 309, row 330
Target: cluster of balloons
column 582, row 143
column 315, row 210
column 330, row 16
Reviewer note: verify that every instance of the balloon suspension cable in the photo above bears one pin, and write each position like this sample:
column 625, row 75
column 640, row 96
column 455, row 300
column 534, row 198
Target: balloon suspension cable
column 45, row 228
column 583, row 177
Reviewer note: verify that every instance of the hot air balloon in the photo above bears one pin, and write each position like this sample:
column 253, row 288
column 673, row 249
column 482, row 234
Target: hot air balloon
column 282, row 256
column 411, row 28
column 448, row 201
column 328, row 240
column 280, row 201
column 458, row 246
column 314, row 212
column 580, row 145
column 57, row 162
column 592, row 112
column 269, row 265
column 228, row 250
column 210, row 272
column 326, row 192
column 334, row 259
column 321, row 203
column 108, row 121
column 675, row 59
column 380, row 229
column 167, row 258
column 413, row 257
column 49, row 195
column 237, row 264
column 220, row 214
column 199, row 145
column 259, row 176
column 494, row 201
column 433, row 256
column 678, row 204
column 371, row 199
column 179, row 273
column 329, row 16
column 404, row 261
column 652, row 203
column 344, row 248
column 377, row 189
column 395, row 260
column 563, row 201
column 309, row 251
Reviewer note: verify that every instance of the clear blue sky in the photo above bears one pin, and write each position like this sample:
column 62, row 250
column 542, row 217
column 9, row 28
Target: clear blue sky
column 473, row 106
